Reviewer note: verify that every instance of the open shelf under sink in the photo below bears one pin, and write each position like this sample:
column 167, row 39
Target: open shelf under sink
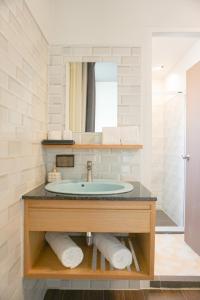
column 94, row 265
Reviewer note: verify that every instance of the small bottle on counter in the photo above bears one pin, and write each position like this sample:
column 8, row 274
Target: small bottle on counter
column 54, row 175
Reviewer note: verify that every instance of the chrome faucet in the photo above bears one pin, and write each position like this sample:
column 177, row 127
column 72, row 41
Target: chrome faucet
column 89, row 170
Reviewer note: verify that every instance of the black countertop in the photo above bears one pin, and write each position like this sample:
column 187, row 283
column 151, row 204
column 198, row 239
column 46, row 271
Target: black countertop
column 139, row 193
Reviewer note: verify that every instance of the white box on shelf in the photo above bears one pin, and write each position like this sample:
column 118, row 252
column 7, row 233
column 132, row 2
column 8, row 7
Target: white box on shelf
column 77, row 137
column 111, row 135
column 129, row 135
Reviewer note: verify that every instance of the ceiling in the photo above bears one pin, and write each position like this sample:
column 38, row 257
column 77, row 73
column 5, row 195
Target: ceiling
column 60, row 22
column 110, row 22
column 42, row 11
column 167, row 51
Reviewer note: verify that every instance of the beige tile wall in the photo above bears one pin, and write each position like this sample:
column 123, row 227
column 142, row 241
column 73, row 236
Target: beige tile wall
column 23, row 119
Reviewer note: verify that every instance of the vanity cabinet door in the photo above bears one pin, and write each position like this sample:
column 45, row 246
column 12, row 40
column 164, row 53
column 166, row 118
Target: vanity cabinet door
column 83, row 220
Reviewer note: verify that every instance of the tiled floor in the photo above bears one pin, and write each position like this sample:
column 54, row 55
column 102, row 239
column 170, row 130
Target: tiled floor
column 122, row 295
column 173, row 257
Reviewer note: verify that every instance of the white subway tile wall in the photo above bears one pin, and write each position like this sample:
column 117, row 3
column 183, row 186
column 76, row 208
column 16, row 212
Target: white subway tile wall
column 174, row 145
column 23, row 124
column 168, row 135
column 129, row 76
column 121, row 165
column 110, row 164
column 157, row 141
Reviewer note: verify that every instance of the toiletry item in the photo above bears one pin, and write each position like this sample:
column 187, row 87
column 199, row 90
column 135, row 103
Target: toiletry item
column 110, row 135
column 54, row 175
column 55, row 135
column 77, row 137
column 129, row 135
column 67, row 134
column 69, row 254
column 114, row 251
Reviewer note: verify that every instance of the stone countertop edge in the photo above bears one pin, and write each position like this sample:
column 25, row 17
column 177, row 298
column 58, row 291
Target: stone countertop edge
column 139, row 193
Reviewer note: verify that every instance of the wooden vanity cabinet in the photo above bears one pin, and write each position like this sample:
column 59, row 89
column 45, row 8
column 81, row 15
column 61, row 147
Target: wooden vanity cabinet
column 134, row 220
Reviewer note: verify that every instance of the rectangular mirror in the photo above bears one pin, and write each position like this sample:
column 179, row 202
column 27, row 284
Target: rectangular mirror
column 91, row 96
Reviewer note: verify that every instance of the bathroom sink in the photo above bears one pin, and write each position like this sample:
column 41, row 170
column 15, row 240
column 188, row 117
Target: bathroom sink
column 101, row 187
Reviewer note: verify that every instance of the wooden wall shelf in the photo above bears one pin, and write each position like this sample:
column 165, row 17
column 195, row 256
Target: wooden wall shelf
column 97, row 146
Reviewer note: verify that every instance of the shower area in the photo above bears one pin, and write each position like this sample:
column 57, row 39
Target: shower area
column 168, row 111
column 172, row 56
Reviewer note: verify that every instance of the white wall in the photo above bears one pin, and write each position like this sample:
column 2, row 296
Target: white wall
column 23, row 124
column 176, row 79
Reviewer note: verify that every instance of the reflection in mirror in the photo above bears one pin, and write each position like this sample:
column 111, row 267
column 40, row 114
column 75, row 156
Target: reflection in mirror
column 92, row 96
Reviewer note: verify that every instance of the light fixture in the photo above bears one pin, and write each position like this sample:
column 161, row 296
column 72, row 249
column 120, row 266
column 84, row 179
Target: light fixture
column 158, row 68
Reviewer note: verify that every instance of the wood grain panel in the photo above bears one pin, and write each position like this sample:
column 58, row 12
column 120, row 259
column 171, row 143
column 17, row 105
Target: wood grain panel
column 83, row 220
column 96, row 204
column 97, row 146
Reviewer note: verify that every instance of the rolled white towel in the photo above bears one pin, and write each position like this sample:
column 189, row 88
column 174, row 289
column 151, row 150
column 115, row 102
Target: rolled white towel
column 115, row 252
column 66, row 250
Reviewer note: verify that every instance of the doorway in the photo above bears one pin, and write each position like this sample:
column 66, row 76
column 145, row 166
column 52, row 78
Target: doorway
column 172, row 55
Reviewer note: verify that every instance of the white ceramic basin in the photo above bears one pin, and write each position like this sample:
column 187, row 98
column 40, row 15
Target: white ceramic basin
column 101, row 187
